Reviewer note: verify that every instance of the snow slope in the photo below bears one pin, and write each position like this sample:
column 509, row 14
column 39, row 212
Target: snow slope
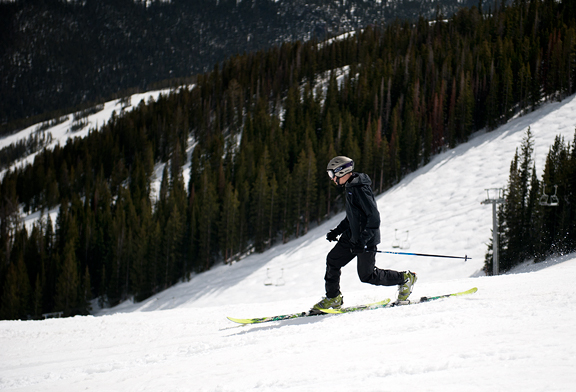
column 514, row 334
column 62, row 132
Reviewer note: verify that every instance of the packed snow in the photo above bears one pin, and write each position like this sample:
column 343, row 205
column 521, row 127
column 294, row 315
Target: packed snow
column 515, row 334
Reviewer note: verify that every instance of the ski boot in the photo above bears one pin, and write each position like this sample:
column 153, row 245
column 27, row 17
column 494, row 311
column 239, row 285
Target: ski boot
column 328, row 303
column 405, row 289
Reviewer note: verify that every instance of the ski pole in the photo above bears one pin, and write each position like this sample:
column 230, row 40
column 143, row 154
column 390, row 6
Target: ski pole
column 423, row 254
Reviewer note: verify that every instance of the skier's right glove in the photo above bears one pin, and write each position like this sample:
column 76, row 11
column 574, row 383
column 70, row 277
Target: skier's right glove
column 332, row 235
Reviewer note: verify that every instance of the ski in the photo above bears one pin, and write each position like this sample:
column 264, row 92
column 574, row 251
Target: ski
column 259, row 320
column 428, row 299
column 375, row 305
column 308, row 313
column 402, row 303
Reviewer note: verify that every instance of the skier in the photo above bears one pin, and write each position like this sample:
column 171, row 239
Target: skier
column 359, row 234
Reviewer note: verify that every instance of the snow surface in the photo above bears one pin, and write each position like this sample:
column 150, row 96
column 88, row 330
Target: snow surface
column 514, row 334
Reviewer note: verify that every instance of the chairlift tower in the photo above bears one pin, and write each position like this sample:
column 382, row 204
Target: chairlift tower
column 494, row 197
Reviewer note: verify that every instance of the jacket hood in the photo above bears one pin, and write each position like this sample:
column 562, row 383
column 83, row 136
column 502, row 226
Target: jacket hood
column 359, row 179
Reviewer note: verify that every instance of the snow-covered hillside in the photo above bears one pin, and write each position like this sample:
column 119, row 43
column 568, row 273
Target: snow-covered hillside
column 514, row 334
column 77, row 125
column 63, row 131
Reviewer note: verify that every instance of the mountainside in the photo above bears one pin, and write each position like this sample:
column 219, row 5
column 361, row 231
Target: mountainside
column 518, row 327
column 56, row 54
column 437, row 210
column 254, row 136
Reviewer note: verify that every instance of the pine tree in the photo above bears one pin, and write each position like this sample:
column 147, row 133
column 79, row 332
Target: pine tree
column 172, row 244
column 394, row 146
column 37, row 300
column 10, row 307
column 350, row 147
column 309, row 182
column 553, row 224
column 9, row 220
column 508, row 92
column 299, row 193
column 179, row 211
column 409, row 140
column 517, row 212
column 527, row 182
column 85, row 294
column 330, row 195
column 67, row 285
column 273, row 210
column 383, row 169
column 260, row 200
column 368, row 147
column 207, row 219
column 465, row 109
column 493, row 100
column 570, row 197
column 228, row 228
column 16, row 295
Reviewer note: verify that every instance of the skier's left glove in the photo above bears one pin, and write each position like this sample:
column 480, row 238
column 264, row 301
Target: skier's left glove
column 358, row 248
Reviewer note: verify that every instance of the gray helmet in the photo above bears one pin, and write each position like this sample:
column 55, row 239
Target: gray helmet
column 340, row 166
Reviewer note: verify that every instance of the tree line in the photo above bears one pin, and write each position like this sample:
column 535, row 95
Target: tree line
column 538, row 216
column 57, row 54
column 254, row 135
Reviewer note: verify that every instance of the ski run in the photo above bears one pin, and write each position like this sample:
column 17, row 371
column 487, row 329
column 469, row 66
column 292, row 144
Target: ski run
column 516, row 333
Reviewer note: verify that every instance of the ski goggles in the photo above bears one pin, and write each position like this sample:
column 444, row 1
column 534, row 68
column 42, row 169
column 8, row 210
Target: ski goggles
column 333, row 172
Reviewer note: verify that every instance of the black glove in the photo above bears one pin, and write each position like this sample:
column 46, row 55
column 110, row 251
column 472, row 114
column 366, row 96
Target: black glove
column 358, row 248
column 332, row 235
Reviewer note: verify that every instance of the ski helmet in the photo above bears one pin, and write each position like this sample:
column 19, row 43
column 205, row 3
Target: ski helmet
column 340, row 166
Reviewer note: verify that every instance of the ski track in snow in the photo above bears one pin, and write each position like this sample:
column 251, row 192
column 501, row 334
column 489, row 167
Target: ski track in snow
column 514, row 334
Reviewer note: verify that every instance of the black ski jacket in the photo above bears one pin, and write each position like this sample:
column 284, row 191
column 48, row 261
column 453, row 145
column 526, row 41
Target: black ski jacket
column 362, row 223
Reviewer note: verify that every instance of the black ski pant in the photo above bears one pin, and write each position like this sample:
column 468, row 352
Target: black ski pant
column 340, row 255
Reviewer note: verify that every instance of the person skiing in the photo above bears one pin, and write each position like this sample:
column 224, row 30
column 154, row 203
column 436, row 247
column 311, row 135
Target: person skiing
column 359, row 234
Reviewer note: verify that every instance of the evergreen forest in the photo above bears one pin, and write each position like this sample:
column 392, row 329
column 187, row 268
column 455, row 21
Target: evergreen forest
column 538, row 217
column 256, row 133
column 62, row 54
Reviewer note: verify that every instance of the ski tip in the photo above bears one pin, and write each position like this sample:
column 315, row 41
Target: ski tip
column 471, row 291
column 240, row 321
